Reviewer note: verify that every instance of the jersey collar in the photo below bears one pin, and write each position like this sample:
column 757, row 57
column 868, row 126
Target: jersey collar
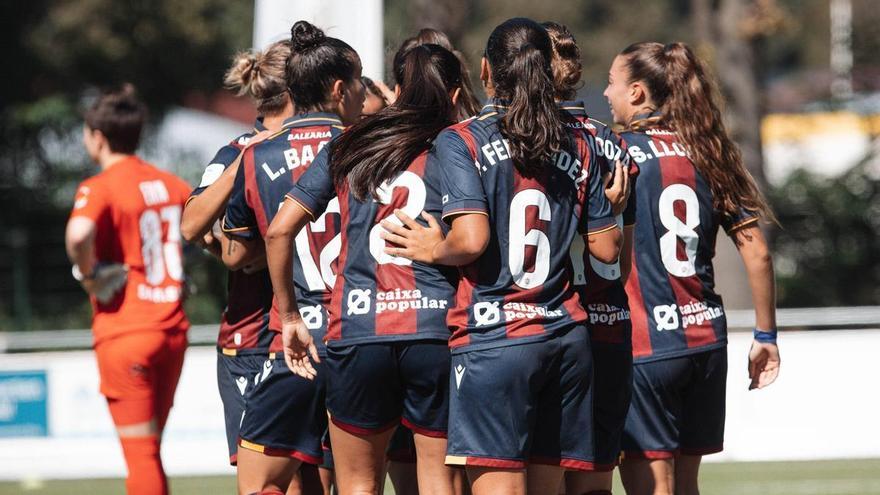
column 309, row 119
column 645, row 120
column 574, row 107
column 258, row 125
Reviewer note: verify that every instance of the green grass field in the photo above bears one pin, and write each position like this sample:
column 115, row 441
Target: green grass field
column 855, row 477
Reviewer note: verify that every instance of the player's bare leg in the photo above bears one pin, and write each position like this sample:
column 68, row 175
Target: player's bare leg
column 435, row 477
column 687, row 473
column 648, row 476
column 404, row 477
column 310, row 482
column 494, row 481
column 359, row 461
column 593, row 482
column 541, row 478
column 326, row 480
column 258, row 472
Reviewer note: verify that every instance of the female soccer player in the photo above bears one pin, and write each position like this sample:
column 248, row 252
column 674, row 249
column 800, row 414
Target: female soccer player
column 692, row 180
column 123, row 239
column 387, row 357
column 244, row 338
column 467, row 105
column 520, row 353
column 599, row 284
column 285, row 416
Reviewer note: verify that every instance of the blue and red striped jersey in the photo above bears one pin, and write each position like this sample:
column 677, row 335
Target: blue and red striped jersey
column 520, row 289
column 268, row 171
column 675, row 309
column 598, row 283
column 244, row 325
column 381, row 298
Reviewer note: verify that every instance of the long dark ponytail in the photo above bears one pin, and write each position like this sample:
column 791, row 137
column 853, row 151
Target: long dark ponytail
column 468, row 104
column 519, row 53
column 688, row 102
column 382, row 145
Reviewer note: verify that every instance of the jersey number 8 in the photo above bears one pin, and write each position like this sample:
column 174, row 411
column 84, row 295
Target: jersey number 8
column 678, row 229
column 161, row 256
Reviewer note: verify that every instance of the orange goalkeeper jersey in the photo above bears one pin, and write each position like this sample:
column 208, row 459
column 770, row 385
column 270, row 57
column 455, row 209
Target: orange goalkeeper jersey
column 136, row 208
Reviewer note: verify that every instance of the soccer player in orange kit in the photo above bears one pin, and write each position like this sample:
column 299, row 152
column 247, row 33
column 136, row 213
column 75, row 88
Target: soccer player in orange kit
column 123, row 238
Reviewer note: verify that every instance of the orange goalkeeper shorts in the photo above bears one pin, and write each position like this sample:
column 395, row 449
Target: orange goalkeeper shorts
column 139, row 374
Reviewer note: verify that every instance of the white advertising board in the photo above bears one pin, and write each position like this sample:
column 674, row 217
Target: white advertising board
column 823, row 406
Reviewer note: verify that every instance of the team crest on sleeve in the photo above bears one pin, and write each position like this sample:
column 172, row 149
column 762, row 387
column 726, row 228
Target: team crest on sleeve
column 211, row 174
column 83, row 198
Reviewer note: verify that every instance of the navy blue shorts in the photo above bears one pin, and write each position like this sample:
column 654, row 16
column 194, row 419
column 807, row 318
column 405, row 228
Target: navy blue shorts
column 328, row 452
column 678, row 407
column 526, row 403
column 285, row 414
column 235, row 380
column 373, row 387
column 612, row 391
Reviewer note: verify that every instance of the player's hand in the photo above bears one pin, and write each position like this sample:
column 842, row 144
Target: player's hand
column 210, row 244
column 106, row 282
column 299, row 348
column 617, row 188
column 763, row 364
column 416, row 242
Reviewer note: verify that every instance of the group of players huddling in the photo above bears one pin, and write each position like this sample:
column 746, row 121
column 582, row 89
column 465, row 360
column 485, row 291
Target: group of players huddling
column 505, row 299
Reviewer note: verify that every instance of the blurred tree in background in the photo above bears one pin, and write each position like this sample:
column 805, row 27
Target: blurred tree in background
column 58, row 53
column 769, row 55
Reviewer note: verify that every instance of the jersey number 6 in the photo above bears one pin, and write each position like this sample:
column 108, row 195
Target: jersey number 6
column 522, row 235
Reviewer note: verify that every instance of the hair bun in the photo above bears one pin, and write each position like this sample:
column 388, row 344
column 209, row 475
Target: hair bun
column 304, row 35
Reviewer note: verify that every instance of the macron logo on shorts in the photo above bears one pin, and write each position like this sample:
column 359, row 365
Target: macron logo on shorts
column 242, row 384
column 459, row 374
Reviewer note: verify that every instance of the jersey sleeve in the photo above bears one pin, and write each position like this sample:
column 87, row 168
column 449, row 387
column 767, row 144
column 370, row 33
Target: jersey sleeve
column 743, row 218
column 315, row 188
column 597, row 215
column 91, row 202
column 240, row 220
column 461, row 187
column 223, row 159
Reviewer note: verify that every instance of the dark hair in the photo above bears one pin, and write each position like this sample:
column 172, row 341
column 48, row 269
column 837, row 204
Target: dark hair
column 316, row 62
column 120, row 116
column 567, row 67
column 519, row 53
column 384, row 144
column 261, row 75
column 372, row 88
column 688, row 103
column 468, row 103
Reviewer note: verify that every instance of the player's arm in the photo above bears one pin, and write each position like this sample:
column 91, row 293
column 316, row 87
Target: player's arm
column 239, row 253
column 79, row 240
column 467, row 239
column 465, row 209
column 306, row 201
column 598, row 222
column 204, row 209
column 763, row 356
column 298, row 344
